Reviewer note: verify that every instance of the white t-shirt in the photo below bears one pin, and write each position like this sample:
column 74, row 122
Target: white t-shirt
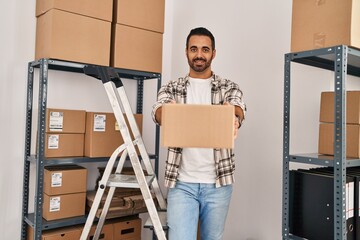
column 198, row 164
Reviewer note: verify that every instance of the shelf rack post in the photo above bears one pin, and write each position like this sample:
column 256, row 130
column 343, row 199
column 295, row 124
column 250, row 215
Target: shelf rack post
column 340, row 64
column 28, row 124
column 39, row 181
column 286, row 135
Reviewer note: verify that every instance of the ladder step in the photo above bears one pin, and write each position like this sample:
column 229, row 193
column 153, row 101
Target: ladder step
column 127, row 181
column 163, row 220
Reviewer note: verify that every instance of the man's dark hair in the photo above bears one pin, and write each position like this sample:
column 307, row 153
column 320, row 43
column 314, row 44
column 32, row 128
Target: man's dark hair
column 201, row 31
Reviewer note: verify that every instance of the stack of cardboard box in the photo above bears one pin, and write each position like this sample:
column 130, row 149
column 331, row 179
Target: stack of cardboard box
column 65, row 131
column 137, row 35
column 327, row 117
column 77, row 133
column 127, row 33
column 64, row 192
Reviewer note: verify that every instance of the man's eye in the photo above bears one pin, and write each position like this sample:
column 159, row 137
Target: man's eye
column 193, row 49
column 206, row 50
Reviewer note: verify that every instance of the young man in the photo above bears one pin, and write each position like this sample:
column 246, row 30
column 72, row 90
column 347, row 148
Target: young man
column 199, row 179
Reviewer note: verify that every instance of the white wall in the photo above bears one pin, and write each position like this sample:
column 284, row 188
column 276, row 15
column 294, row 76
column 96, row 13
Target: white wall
column 251, row 40
column 16, row 49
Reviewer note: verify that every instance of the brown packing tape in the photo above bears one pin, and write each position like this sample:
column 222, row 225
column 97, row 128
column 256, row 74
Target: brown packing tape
column 319, row 40
column 320, row 2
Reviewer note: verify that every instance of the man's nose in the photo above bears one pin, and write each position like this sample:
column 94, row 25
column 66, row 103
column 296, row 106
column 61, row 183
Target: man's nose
column 199, row 54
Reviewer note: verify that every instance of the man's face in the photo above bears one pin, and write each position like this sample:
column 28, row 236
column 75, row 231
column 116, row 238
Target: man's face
column 199, row 53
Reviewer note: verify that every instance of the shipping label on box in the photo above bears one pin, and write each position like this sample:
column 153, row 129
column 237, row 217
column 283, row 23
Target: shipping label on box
column 53, row 141
column 55, row 203
column 56, row 179
column 99, row 123
column 201, row 126
column 56, row 121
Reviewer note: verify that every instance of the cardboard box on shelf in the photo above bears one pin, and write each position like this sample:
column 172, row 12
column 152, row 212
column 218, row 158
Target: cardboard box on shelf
column 143, row 14
column 64, row 206
column 326, row 140
column 102, row 135
column 92, row 8
column 136, row 49
column 107, row 232
column 202, row 126
column 64, row 145
column 64, row 179
column 72, row 37
column 352, row 107
column 130, row 229
column 68, row 233
column 320, row 24
column 65, row 121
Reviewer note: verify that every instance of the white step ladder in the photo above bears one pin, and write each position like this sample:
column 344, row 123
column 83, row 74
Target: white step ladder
column 120, row 103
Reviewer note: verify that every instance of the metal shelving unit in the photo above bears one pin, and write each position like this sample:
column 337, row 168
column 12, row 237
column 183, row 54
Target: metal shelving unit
column 35, row 219
column 343, row 61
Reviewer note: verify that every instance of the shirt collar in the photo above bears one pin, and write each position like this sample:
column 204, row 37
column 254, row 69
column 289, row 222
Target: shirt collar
column 213, row 80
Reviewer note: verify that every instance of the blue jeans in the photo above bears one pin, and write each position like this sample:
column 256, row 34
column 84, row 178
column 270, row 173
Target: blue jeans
column 190, row 202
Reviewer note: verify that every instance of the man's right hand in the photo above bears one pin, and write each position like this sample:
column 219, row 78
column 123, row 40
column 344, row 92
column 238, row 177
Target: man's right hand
column 159, row 111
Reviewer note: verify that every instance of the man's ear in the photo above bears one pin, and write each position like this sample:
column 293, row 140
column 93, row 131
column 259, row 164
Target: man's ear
column 214, row 54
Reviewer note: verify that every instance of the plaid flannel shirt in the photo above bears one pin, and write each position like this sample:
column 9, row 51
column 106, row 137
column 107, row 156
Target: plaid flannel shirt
column 222, row 90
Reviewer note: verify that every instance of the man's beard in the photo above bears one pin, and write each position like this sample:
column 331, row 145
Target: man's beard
column 202, row 68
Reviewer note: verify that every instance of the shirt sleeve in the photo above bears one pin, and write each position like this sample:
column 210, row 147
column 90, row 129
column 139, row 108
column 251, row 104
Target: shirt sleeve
column 234, row 96
column 165, row 95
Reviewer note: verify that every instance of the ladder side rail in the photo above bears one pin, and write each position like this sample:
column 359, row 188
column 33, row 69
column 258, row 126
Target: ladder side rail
column 115, row 101
column 149, row 202
column 141, row 145
column 134, row 129
column 109, row 198
column 100, row 192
